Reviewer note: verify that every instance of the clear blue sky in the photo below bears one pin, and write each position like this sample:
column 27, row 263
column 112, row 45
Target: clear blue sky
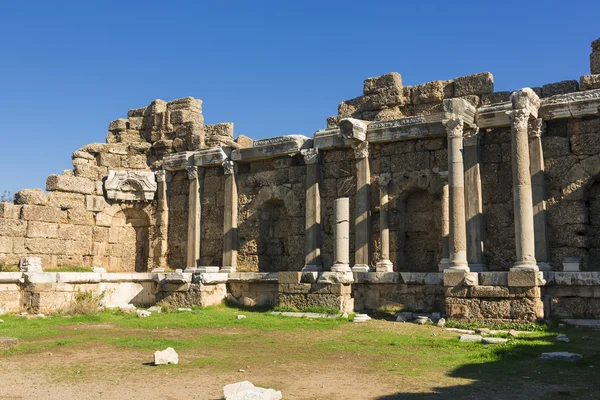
column 68, row 68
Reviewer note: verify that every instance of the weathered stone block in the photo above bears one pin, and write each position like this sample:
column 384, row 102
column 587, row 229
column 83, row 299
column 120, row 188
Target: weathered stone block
column 12, row 227
column 490, row 291
column 41, row 213
column 476, row 84
column 374, row 85
column 45, row 246
column 287, row 277
column 585, row 144
column 589, row 82
column 595, row 62
column 95, row 203
column 6, row 244
column 460, row 278
column 62, row 183
column 37, row 229
column 563, row 87
column 524, row 278
column 10, row 211
column 31, row 196
column 432, row 92
column 294, row 288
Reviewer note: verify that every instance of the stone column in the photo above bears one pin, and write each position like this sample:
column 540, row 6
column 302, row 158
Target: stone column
column 162, row 222
column 384, row 264
column 525, row 105
column 341, row 235
column 456, row 182
column 473, row 201
column 194, row 213
column 362, row 218
column 312, row 231
column 445, row 261
column 538, row 192
column 230, row 240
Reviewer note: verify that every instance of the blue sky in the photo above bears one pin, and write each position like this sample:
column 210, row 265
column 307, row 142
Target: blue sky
column 68, row 68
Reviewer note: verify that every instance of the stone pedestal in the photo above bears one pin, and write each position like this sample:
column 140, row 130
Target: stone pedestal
column 384, row 264
column 312, row 233
column 362, row 218
column 456, row 182
column 230, row 239
column 525, row 105
column 341, row 235
column 194, row 215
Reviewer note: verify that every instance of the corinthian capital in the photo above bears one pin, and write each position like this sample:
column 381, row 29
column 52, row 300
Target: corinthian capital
column 519, row 119
column 161, row 175
column 311, row 156
column 192, row 172
column 361, row 149
column 228, row 167
column 454, row 127
column 384, row 180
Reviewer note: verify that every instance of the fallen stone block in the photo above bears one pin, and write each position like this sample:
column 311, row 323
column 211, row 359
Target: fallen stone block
column 247, row 391
column 361, row 318
column 167, row 356
column 143, row 313
column 240, row 316
column 156, row 309
column 441, row 322
column 561, row 356
column 563, row 338
column 470, row 338
column 493, row 340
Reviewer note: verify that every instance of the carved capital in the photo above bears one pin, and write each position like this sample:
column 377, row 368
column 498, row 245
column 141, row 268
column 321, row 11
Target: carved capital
column 192, row 172
column 228, row 167
column 454, row 127
column 161, row 175
column 536, row 127
column 311, row 156
column 519, row 119
column 384, row 180
column 361, row 149
column 471, row 137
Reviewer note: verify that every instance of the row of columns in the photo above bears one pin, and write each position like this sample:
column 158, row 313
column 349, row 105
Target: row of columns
column 461, row 204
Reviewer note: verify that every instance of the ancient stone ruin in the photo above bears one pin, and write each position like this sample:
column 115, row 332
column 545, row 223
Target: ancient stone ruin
column 445, row 196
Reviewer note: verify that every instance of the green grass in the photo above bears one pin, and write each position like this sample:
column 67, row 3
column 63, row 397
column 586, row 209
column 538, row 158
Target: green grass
column 65, row 268
column 460, row 324
column 215, row 341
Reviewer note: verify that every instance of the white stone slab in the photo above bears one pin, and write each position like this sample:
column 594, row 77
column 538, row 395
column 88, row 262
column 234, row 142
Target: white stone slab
column 78, row 277
column 11, row 277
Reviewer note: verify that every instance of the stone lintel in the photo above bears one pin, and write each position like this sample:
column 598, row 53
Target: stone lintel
column 571, row 105
column 213, row 156
column 254, row 277
column 407, row 128
column 178, row 161
column 274, row 147
column 326, row 139
column 493, row 115
column 353, row 129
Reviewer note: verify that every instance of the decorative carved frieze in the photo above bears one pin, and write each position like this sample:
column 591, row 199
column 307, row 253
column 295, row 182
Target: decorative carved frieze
column 210, row 157
column 192, row 172
column 178, row 161
column 228, row 167
column 130, row 185
column 311, row 156
column 274, row 147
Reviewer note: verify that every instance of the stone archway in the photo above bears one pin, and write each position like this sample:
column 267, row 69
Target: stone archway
column 129, row 241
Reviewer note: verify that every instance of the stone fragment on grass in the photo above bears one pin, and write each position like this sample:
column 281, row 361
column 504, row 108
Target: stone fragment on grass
column 467, row 331
column 241, row 316
column 441, row 322
column 247, row 391
column 127, row 308
column 493, row 340
column 184, row 309
column 3, row 310
column 143, row 313
column 167, row 356
column 422, row 320
column 361, row 318
column 561, row 356
column 8, row 342
column 155, row 309
column 470, row 338
column 563, row 338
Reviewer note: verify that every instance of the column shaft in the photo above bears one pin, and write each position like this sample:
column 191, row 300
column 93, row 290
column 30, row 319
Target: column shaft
column 230, row 240
column 522, row 195
column 384, row 264
column 162, row 223
column 341, row 235
column 445, row 225
column 538, row 192
column 312, row 232
column 362, row 218
column 456, row 182
column 473, row 204
column 194, row 215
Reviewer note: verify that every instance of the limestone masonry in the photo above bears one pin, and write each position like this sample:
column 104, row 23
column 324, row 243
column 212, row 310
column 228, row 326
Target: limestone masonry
column 445, row 196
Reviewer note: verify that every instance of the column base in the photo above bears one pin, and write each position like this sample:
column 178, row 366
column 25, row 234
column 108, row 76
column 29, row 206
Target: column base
column 444, row 264
column 312, row 268
column 458, row 266
column 361, row 268
column 227, row 270
column 384, row 266
column 525, row 266
column 341, row 268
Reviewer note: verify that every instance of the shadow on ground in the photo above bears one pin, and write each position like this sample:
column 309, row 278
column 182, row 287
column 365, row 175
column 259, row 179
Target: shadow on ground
column 518, row 373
